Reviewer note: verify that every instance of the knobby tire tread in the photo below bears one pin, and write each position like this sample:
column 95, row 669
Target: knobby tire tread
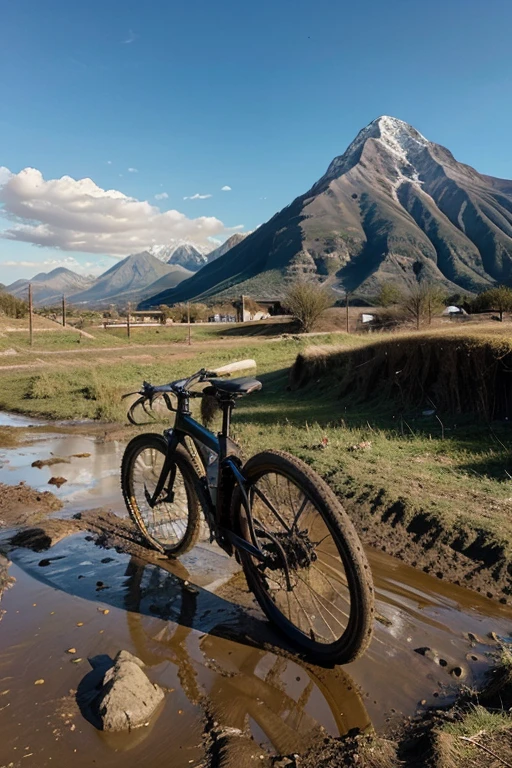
column 358, row 633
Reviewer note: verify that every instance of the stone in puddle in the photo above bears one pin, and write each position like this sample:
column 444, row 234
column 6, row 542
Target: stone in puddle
column 58, row 481
column 127, row 699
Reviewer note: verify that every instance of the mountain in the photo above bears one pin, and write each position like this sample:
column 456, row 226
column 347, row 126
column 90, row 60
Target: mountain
column 49, row 287
column 183, row 253
column 227, row 245
column 394, row 207
column 129, row 280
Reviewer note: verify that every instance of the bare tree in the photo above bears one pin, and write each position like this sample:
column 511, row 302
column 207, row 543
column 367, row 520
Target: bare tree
column 422, row 301
column 306, row 301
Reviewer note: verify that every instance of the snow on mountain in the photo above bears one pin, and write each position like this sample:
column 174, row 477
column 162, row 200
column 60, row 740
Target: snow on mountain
column 394, row 207
column 190, row 255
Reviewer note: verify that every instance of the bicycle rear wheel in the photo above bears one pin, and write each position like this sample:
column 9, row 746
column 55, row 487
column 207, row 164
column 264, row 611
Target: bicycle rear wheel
column 315, row 583
column 172, row 524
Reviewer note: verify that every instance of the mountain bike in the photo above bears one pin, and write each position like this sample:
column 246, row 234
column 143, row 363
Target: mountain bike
column 300, row 553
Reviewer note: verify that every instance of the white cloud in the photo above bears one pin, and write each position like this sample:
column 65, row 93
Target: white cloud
column 87, row 268
column 161, row 196
column 109, row 162
column 133, row 170
column 197, row 196
column 131, row 38
column 77, row 215
column 226, row 189
column 5, row 175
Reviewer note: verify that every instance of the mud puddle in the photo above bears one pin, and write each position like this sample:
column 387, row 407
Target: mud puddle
column 203, row 640
column 90, row 466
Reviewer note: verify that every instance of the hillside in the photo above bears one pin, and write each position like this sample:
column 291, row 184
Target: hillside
column 394, row 207
column 49, row 287
column 129, row 279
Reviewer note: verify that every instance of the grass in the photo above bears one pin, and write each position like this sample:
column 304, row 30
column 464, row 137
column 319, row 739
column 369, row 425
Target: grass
column 453, row 372
column 480, row 730
column 453, row 477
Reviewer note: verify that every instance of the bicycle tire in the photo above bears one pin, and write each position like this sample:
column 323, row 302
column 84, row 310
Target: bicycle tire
column 357, row 635
column 190, row 480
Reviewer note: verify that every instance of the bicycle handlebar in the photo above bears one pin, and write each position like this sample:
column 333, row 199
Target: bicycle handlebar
column 150, row 392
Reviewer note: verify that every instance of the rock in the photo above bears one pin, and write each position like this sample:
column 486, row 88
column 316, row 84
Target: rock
column 58, row 481
column 128, row 699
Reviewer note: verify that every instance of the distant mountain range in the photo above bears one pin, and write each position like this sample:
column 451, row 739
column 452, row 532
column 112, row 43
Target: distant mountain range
column 394, row 207
column 49, row 287
column 182, row 253
column 192, row 256
column 132, row 279
column 135, row 278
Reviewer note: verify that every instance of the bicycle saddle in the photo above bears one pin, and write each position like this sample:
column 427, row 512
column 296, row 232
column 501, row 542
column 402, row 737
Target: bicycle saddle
column 237, row 387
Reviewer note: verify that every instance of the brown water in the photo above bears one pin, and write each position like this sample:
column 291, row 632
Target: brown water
column 199, row 644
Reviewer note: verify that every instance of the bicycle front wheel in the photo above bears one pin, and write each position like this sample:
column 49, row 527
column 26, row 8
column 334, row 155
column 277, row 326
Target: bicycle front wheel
column 172, row 523
column 315, row 583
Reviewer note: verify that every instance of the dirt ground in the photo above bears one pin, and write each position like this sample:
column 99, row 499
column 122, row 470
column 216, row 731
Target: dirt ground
column 419, row 742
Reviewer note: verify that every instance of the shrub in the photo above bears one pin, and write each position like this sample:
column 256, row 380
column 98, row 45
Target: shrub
column 306, row 301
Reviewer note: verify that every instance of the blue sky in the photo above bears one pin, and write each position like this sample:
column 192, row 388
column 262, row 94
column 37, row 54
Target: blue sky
column 198, row 95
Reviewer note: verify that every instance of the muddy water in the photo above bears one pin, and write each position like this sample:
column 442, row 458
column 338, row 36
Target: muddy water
column 91, row 480
column 202, row 639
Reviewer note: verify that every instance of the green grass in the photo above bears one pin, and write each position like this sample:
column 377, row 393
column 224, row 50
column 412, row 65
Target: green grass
column 375, row 456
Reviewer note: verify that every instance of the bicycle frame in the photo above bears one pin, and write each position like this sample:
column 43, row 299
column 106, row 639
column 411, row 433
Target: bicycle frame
column 229, row 463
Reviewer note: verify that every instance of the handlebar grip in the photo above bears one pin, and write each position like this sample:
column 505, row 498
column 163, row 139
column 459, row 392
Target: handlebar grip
column 240, row 365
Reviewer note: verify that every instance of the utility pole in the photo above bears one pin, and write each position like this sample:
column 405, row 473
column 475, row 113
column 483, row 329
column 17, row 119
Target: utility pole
column 346, row 305
column 30, row 318
column 188, row 320
column 128, row 319
column 63, row 311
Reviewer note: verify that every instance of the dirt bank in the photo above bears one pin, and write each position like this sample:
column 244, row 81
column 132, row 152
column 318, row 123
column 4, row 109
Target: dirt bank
column 424, row 543
column 21, row 505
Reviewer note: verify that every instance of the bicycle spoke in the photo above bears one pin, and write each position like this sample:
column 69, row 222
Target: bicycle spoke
column 271, row 507
column 316, row 598
column 321, row 597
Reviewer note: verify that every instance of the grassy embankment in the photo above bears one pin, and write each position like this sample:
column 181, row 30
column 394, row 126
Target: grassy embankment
column 441, row 478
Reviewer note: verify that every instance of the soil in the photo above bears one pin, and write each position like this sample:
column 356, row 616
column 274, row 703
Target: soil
column 21, row 505
column 226, row 746
column 425, row 545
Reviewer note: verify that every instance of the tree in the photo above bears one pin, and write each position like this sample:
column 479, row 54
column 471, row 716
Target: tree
column 498, row 299
column 11, row 306
column 388, row 295
column 422, row 301
column 306, row 301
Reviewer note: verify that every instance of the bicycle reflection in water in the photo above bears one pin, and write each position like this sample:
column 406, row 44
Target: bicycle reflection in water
column 287, row 703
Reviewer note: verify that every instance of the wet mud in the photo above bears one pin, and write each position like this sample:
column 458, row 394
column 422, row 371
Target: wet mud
column 235, row 693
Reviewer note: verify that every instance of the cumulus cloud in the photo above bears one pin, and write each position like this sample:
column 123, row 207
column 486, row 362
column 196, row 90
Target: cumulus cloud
column 161, row 196
column 133, row 170
column 197, row 196
column 5, row 175
column 225, row 188
column 77, row 215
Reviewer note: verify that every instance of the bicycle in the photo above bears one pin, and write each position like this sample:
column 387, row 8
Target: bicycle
column 300, row 553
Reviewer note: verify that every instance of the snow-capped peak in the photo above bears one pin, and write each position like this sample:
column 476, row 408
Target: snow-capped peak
column 165, row 252
column 395, row 135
